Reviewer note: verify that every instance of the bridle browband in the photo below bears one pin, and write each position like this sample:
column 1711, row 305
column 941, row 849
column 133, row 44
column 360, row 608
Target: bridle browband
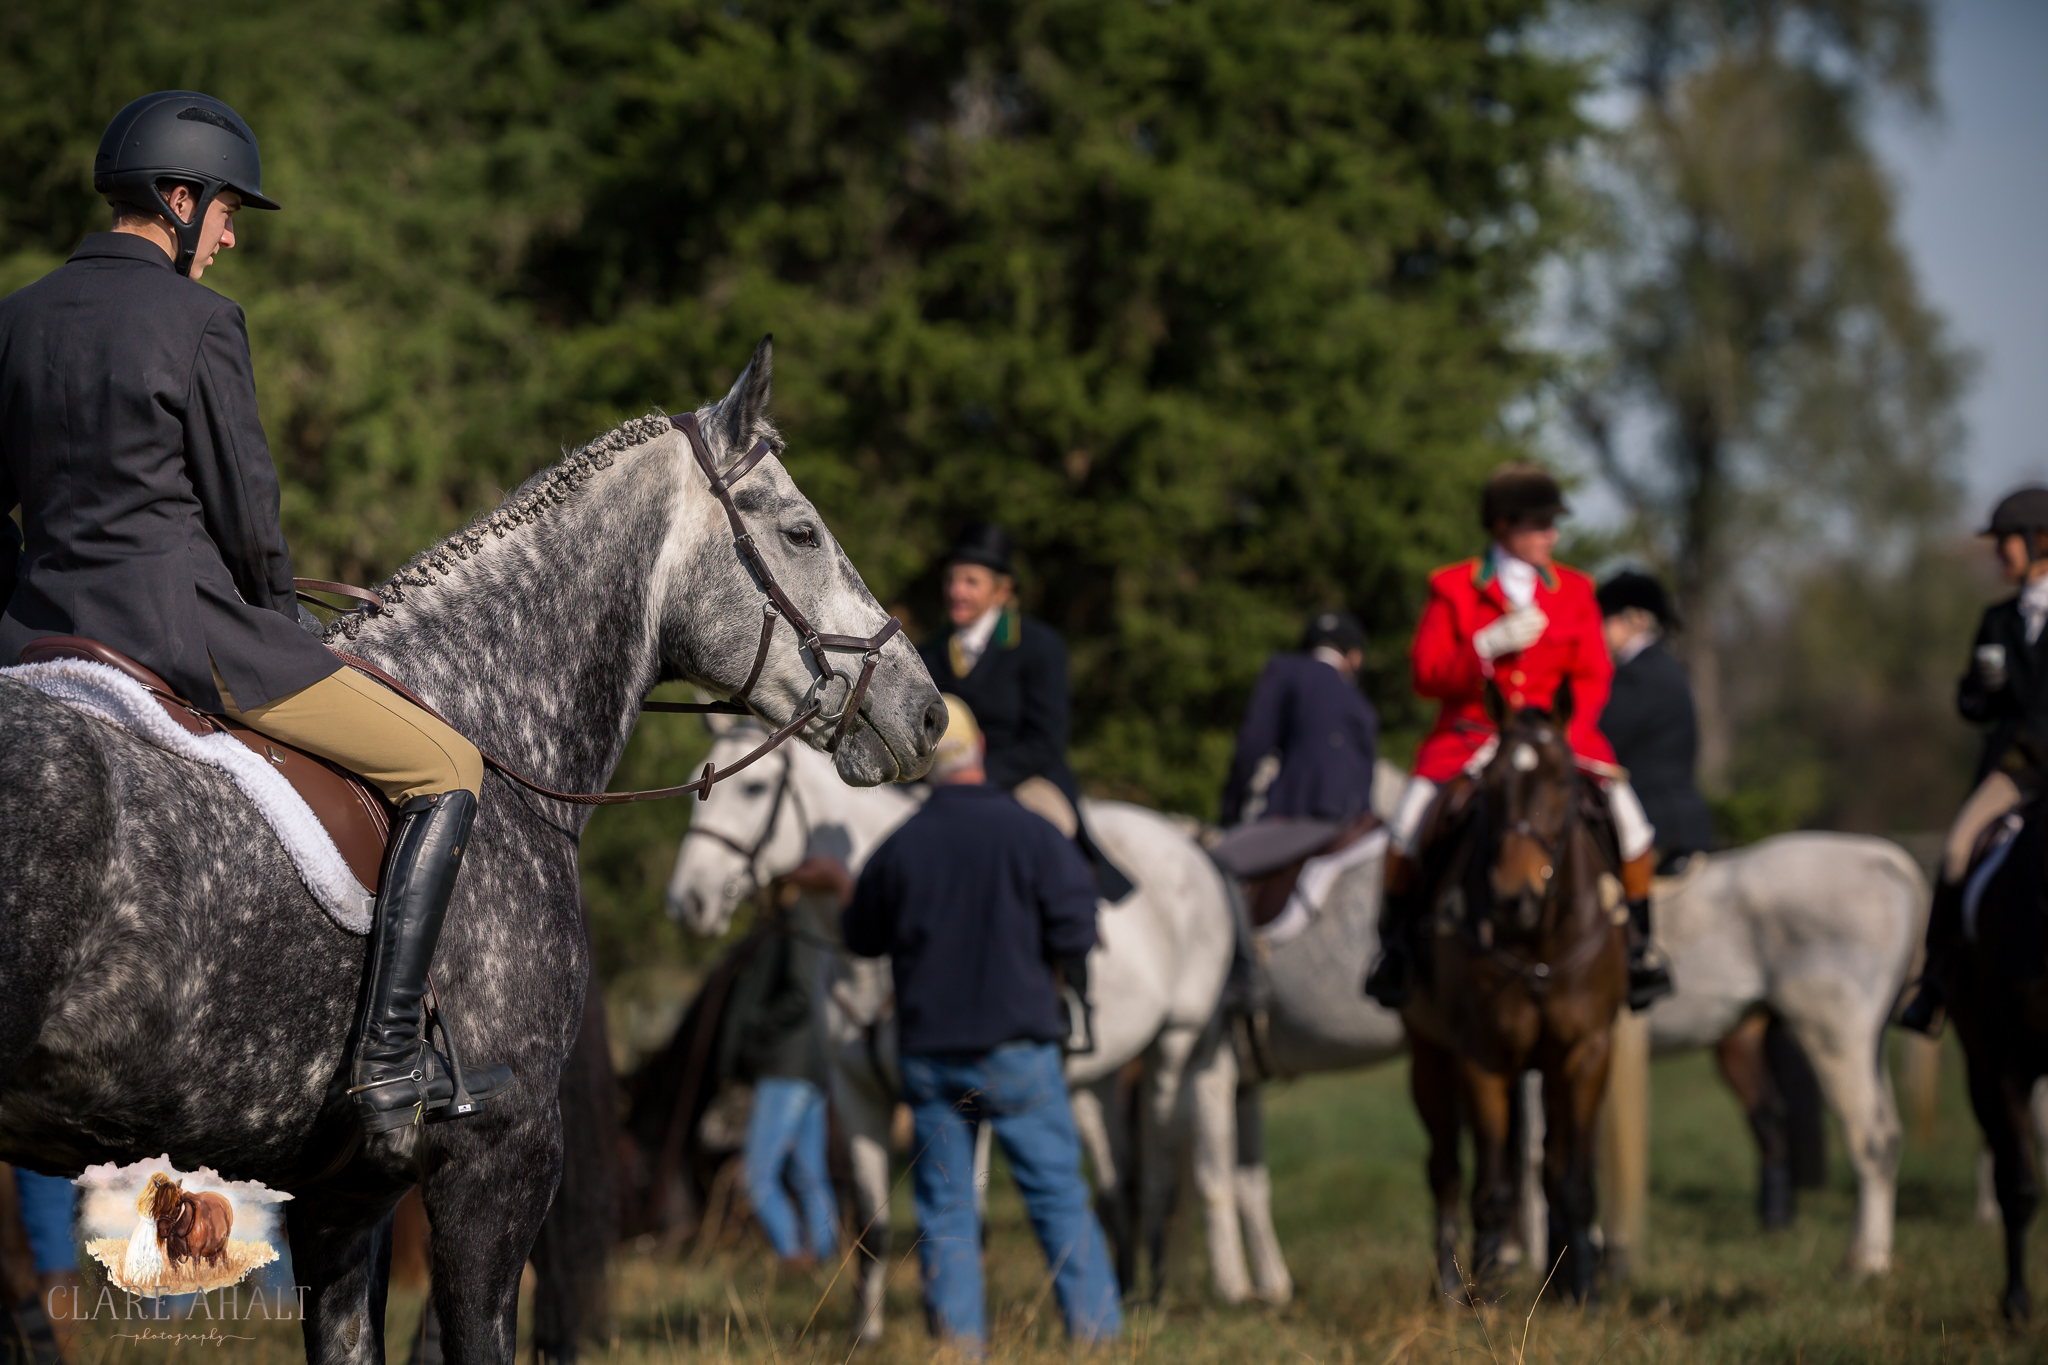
column 778, row 606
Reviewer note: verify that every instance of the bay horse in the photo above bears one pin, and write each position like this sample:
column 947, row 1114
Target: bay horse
column 1998, row 988
column 168, row 985
column 1813, row 929
column 1525, row 969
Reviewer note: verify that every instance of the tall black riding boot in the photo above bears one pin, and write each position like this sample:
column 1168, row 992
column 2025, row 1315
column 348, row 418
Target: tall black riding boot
column 1927, row 1011
column 1649, row 975
column 396, row 1077
column 1391, row 981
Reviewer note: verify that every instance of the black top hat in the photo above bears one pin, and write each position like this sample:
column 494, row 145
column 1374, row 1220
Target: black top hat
column 1633, row 588
column 1339, row 630
column 985, row 544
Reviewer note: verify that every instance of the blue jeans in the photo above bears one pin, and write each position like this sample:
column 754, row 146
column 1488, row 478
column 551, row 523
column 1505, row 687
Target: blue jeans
column 1020, row 1088
column 48, row 1203
column 787, row 1133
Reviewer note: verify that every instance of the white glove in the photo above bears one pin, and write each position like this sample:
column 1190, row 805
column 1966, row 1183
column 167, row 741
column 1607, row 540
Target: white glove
column 1991, row 667
column 1516, row 631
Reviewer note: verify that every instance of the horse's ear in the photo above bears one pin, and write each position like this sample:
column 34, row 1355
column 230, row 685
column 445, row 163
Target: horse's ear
column 741, row 417
column 1496, row 705
column 1561, row 702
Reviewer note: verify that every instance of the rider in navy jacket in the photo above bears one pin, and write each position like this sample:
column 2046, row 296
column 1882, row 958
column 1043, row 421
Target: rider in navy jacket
column 975, row 900
column 1307, row 709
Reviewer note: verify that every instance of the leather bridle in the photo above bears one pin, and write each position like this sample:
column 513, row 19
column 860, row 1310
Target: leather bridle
column 785, row 790
column 817, row 645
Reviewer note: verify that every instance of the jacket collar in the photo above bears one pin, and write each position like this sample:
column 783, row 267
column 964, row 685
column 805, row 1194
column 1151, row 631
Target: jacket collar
column 1485, row 571
column 122, row 246
column 1486, row 578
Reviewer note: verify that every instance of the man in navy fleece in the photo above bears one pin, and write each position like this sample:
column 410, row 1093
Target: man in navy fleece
column 980, row 905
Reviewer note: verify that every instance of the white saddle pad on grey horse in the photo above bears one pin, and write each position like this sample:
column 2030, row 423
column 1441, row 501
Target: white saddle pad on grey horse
column 116, row 698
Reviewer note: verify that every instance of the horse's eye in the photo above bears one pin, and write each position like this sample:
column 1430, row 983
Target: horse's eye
column 801, row 535
column 755, row 789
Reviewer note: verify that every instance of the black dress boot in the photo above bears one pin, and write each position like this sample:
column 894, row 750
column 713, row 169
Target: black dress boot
column 1927, row 1011
column 1391, row 980
column 396, row 1077
column 1649, row 975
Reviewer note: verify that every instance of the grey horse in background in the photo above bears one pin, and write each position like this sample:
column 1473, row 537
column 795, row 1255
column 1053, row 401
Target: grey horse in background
column 167, row 985
column 1819, row 929
column 1156, row 976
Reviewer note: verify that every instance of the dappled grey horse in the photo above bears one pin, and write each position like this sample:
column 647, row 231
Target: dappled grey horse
column 167, row 985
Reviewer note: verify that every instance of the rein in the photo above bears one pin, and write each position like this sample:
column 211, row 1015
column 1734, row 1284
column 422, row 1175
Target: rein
column 778, row 607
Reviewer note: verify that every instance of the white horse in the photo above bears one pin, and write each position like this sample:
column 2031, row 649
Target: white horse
column 1156, row 974
column 1819, row 928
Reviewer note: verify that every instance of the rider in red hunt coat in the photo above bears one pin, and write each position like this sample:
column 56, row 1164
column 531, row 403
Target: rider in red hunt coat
column 1528, row 624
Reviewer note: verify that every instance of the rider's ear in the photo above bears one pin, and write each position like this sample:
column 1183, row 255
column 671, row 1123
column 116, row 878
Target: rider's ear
column 1496, row 705
column 741, row 417
column 1561, row 702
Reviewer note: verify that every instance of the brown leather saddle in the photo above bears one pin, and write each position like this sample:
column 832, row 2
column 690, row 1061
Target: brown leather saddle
column 1268, row 881
column 355, row 815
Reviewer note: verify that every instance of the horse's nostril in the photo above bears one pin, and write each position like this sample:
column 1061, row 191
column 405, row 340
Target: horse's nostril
column 935, row 720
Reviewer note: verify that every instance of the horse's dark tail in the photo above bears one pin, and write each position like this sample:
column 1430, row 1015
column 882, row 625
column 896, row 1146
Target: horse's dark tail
column 569, row 1300
column 1805, row 1121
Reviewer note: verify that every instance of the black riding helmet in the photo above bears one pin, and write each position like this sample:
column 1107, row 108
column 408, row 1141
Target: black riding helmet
column 1632, row 588
column 179, row 135
column 2020, row 513
column 1520, row 494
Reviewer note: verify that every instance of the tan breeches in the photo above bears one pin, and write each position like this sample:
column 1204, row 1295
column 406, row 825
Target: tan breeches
column 1039, row 796
column 1994, row 797
column 370, row 730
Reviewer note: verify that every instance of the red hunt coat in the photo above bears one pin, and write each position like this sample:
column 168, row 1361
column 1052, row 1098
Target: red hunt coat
column 1464, row 598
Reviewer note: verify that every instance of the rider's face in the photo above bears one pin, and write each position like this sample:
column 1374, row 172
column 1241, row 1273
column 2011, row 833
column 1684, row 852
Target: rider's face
column 1531, row 543
column 218, row 232
column 972, row 589
column 2011, row 552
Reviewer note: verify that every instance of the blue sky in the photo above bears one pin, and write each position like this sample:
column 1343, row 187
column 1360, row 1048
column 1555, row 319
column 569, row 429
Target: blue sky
column 1973, row 205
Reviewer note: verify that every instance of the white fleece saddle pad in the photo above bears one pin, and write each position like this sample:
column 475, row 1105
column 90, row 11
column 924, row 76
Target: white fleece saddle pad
column 116, row 698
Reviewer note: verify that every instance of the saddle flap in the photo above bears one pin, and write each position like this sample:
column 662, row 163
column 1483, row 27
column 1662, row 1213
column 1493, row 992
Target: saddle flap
column 355, row 817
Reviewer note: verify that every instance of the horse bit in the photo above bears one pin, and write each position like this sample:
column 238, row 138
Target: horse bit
column 777, row 607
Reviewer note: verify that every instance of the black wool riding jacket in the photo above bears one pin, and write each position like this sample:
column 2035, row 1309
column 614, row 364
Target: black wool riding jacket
column 129, row 438
column 1017, row 690
column 1652, row 724
column 2019, row 710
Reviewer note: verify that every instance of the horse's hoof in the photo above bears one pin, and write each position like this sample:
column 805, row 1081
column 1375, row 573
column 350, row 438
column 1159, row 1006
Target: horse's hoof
column 2017, row 1307
column 1774, row 1200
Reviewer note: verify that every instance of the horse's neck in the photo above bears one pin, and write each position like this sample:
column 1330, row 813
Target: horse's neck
column 541, row 644
column 867, row 814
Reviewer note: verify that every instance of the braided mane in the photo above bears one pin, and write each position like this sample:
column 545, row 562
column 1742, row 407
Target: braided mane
column 526, row 504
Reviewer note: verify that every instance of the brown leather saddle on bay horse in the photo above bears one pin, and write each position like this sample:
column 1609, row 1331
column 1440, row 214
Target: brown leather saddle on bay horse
column 355, row 815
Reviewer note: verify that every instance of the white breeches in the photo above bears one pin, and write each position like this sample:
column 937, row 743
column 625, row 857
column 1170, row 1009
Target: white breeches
column 1631, row 826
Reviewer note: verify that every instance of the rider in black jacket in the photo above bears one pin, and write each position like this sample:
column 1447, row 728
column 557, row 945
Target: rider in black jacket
column 1011, row 670
column 1650, row 718
column 129, row 438
column 2005, row 690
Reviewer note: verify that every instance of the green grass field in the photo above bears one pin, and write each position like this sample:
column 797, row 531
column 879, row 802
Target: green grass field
column 1346, row 1155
